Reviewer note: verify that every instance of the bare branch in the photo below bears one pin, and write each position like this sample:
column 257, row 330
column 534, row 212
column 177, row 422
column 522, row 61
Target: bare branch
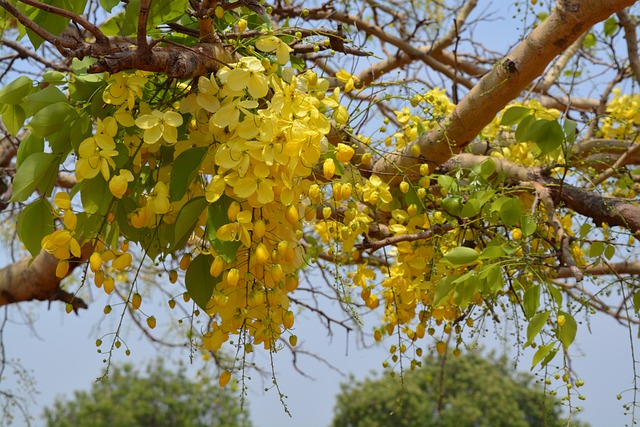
column 23, row 52
column 630, row 34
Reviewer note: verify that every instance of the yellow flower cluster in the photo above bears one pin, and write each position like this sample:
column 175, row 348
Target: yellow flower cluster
column 623, row 114
column 262, row 135
column 61, row 243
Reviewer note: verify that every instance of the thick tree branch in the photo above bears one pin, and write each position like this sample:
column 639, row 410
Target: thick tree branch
column 28, row 280
column 504, row 83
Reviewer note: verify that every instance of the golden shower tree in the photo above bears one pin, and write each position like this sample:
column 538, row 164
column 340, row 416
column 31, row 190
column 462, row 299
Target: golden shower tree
column 233, row 146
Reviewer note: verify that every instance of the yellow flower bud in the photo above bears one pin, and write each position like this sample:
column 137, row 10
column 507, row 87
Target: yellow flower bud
column 136, row 301
column 328, row 168
column 185, row 261
column 109, row 284
column 225, row 376
column 233, row 277
column 326, row 212
column 262, row 254
column 242, row 25
column 216, row 266
column 151, row 322
column 561, row 320
column 288, row 319
column 95, row 262
column 344, row 153
column 291, row 214
column 259, row 229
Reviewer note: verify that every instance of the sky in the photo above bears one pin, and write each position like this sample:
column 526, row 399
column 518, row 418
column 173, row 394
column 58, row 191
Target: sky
column 59, row 351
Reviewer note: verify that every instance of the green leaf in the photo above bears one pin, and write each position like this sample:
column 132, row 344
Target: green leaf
column 585, row 229
column 589, row 41
column 443, row 289
column 453, row 205
column 569, row 127
column 27, row 147
column 185, row 170
column 610, row 26
column 609, row 252
column 494, row 281
column 487, row 168
column 636, row 301
column 109, row 4
column 13, row 93
column 52, row 118
column 596, row 249
column 492, row 252
column 549, row 136
column 567, row 332
column 13, row 117
column 187, row 219
column 511, row 212
column 446, row 181
column 199, row 282
column 555, row 294
column 531, row 301
column 39, row 170
column 43, row 98
column 35, row 222
column 514, row 115
column 471, row 208
column 541, row 353
column 535, row 326
column 523, row 128
column 461, row 256
column 95, row 195
column 529, row 225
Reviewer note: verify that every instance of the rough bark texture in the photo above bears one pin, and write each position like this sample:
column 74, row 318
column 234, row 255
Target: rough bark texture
column 28, row 281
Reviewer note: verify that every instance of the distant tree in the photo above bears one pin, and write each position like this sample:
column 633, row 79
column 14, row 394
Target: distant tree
column 469, row 391
column 160, row 397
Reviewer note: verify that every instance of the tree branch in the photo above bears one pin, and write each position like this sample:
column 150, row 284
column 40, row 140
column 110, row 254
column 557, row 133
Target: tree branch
column 28, row 280
column 502, row 84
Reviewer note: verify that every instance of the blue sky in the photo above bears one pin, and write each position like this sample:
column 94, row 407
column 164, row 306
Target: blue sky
column 62, row 357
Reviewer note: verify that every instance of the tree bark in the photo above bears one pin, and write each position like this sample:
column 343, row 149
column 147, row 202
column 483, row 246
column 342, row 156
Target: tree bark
column 28, row 280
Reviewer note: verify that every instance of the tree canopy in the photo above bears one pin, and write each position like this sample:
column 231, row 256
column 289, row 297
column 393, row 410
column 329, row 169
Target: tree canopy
column 214, row 153
column 161, row 396
column 464, row 391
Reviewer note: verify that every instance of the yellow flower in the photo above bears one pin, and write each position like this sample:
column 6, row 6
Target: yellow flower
column 237, row 230
column 61, row 244
column 124, row 89
column 344, row 153
column 95, row 153
column 158, row 125
column 248, row 74
column 256, row 182
column 271, row 43
column 159, row 201
column 348, row 80
column 119, row 183
column 62, row 200
column 207, row 91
